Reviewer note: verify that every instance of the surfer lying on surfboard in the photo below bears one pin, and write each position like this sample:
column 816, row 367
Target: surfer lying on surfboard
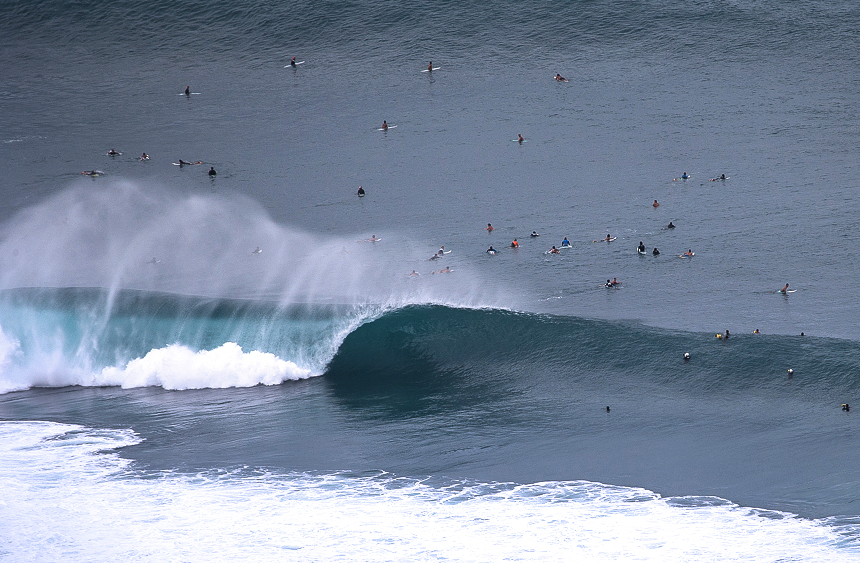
column 184, row 163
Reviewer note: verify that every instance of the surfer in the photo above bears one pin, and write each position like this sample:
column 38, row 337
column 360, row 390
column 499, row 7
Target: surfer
column 212, row 171
column 144, row 156
column 720, row 177
column 784, row 290
column 188, row 90
column 565, row 243
column 520, row 138
column 414, row 273
column 90, row 172
column 655, row 205
column 515, row 244
column 293, row 62
column 437, row 256
column 112, row 152
column 490, row 228
column 491, row 250
column 726, row 336
column 615, row 281
column 689, row 253
column 182, row 162
column 655, row 252
column 360, row 191
column 430, row 67
column 373, row 239
column 534, row 234
column 384, row 125
column 685, row 176
column 560, row 78
column 257, row 250
column 756, row 331
column 671, row 225
column 554, row 250
column 445, row 270
column 608, row 238
column 641, row 248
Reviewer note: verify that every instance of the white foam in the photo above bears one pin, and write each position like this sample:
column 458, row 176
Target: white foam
column 179, row 367
column 60, row 500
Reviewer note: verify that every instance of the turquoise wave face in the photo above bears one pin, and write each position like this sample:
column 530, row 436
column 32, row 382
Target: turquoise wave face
column 56, row 335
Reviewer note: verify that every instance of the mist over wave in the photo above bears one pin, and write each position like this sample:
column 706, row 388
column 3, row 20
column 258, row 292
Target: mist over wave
column 131, row 284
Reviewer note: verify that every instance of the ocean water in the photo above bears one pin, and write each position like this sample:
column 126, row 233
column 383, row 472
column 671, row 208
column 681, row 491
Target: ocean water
column 197, row 368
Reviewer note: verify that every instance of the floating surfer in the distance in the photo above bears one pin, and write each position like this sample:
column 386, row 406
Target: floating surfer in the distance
column 720, row 177
column 143, row 157
column 373, row 238
column 671, row 225
column 520, row 139
column 553, row 250
column 607, row 239
column 293, row 63
column 185, row 163
column 188, row 92
column 112, row 152
column 92, row 173
column 613, row 283
column 684, row 176
column 560, row 78
column 565, row 243
column 688, row 254
column 430, row 67
column 534, row 234
column 490, row 228
column 212, row 171
column 785, row 290
column 360, row 191
column 641, row 248
column 386, row 126
column 257, row 250
column 491, row 250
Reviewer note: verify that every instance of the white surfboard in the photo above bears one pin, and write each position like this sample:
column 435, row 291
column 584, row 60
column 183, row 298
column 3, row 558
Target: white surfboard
column 428, row 69
column 297, row 64
column 389, row 127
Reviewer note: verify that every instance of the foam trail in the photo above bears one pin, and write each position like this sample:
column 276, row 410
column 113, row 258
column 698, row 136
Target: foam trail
column 64, row 498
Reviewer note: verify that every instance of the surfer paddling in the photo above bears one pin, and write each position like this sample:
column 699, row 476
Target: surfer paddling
column 560, row 78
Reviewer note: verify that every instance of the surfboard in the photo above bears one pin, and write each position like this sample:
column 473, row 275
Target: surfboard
column 389, row 127
column 566, row 246
column 781, row 292
column 297, row 64
column 114, row 154
column 518, row 141
column 369, row 240
column 187, row 163
column 686, row 256
column 257, row 250
column 189, row 94
column 428, row 70
column 642, row 252
column 604, row 240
